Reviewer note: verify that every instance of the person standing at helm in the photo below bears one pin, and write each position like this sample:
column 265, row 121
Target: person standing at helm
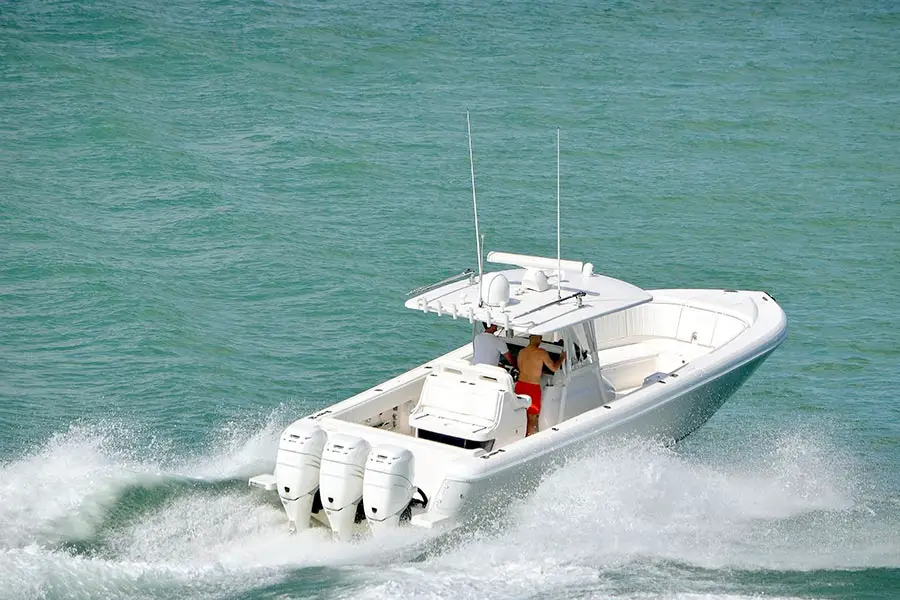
column 488, row 348
column 532, row 360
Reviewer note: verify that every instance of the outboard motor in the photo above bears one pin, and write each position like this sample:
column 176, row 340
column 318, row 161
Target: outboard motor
column 341, row 482
column 388, row 488
column 297, row 470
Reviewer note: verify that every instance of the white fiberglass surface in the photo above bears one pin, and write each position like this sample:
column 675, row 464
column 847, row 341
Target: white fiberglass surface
column 668, row 321
column 530, row 311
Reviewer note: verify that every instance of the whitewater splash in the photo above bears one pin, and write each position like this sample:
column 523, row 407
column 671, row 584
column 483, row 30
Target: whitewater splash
column 82, row 517
column 638, row 521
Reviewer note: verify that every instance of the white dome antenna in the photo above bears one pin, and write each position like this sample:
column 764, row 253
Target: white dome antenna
column 535, row 280
column 495, row 289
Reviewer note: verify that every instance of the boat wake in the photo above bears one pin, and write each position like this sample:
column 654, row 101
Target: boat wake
column 82, row 517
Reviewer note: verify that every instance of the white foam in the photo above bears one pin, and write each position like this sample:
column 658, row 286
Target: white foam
column 788, row 503
column 633, row 509
column 233, row 531
column 205, row 539
column 64, row 490
column 235, row 453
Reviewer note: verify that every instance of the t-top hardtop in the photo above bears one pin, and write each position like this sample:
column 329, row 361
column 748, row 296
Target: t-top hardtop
column 543, row 295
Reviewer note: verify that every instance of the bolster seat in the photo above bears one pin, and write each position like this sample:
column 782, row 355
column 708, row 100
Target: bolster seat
column 471, row 402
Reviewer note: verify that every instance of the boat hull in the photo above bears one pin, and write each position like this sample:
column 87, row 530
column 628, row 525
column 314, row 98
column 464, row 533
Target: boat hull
column 474, row 491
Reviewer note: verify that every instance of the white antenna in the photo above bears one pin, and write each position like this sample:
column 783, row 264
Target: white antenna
column 475, row 204
column 558, row 257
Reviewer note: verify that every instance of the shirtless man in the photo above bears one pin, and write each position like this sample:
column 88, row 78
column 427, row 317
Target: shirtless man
column 532, row 359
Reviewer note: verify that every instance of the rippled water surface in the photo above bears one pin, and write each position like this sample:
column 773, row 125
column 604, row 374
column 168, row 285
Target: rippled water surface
column 210, row 215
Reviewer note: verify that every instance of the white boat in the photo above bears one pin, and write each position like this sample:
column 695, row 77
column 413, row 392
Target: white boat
column 448, row 436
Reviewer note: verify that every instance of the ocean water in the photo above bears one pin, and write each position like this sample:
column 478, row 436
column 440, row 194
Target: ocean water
column 210, row 214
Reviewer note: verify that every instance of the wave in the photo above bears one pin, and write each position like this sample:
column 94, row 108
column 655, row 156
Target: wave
column 71, row 486
column 83, row 516
column 636, row 520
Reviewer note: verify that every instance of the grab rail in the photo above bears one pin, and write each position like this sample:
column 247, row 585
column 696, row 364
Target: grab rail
column 427, row 288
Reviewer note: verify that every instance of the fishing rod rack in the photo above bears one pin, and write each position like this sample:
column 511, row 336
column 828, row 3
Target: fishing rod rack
column 577, row 295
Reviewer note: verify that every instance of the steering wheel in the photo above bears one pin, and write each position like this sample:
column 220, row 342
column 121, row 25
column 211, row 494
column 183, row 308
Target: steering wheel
column 513, row 372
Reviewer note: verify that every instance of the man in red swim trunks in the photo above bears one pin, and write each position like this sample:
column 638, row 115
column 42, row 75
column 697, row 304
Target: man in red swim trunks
column 531, row 361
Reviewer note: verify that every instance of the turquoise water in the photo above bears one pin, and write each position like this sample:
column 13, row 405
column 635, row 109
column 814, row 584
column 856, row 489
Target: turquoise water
column 210, row 216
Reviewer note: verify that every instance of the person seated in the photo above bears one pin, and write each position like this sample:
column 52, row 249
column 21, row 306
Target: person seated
column 488, row 348
column 532, row 360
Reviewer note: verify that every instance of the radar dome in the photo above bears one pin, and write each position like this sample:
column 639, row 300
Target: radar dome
column 495, row 289
column 536, row 280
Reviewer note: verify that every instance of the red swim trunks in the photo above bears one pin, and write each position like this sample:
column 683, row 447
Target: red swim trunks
column 533, row 390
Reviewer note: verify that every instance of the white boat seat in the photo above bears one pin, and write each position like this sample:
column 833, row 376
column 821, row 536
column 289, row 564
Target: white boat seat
column 629, row 374
column 470, row 402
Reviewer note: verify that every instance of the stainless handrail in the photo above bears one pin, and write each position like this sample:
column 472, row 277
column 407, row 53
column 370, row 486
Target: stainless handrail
column 451, row 279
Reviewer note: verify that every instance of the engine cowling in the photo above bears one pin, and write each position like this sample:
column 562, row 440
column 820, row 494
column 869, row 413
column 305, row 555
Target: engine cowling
column 341, row 481
column 297, row 468
column 388, row 485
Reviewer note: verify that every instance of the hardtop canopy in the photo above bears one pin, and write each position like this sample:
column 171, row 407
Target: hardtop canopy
column 531, row 299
